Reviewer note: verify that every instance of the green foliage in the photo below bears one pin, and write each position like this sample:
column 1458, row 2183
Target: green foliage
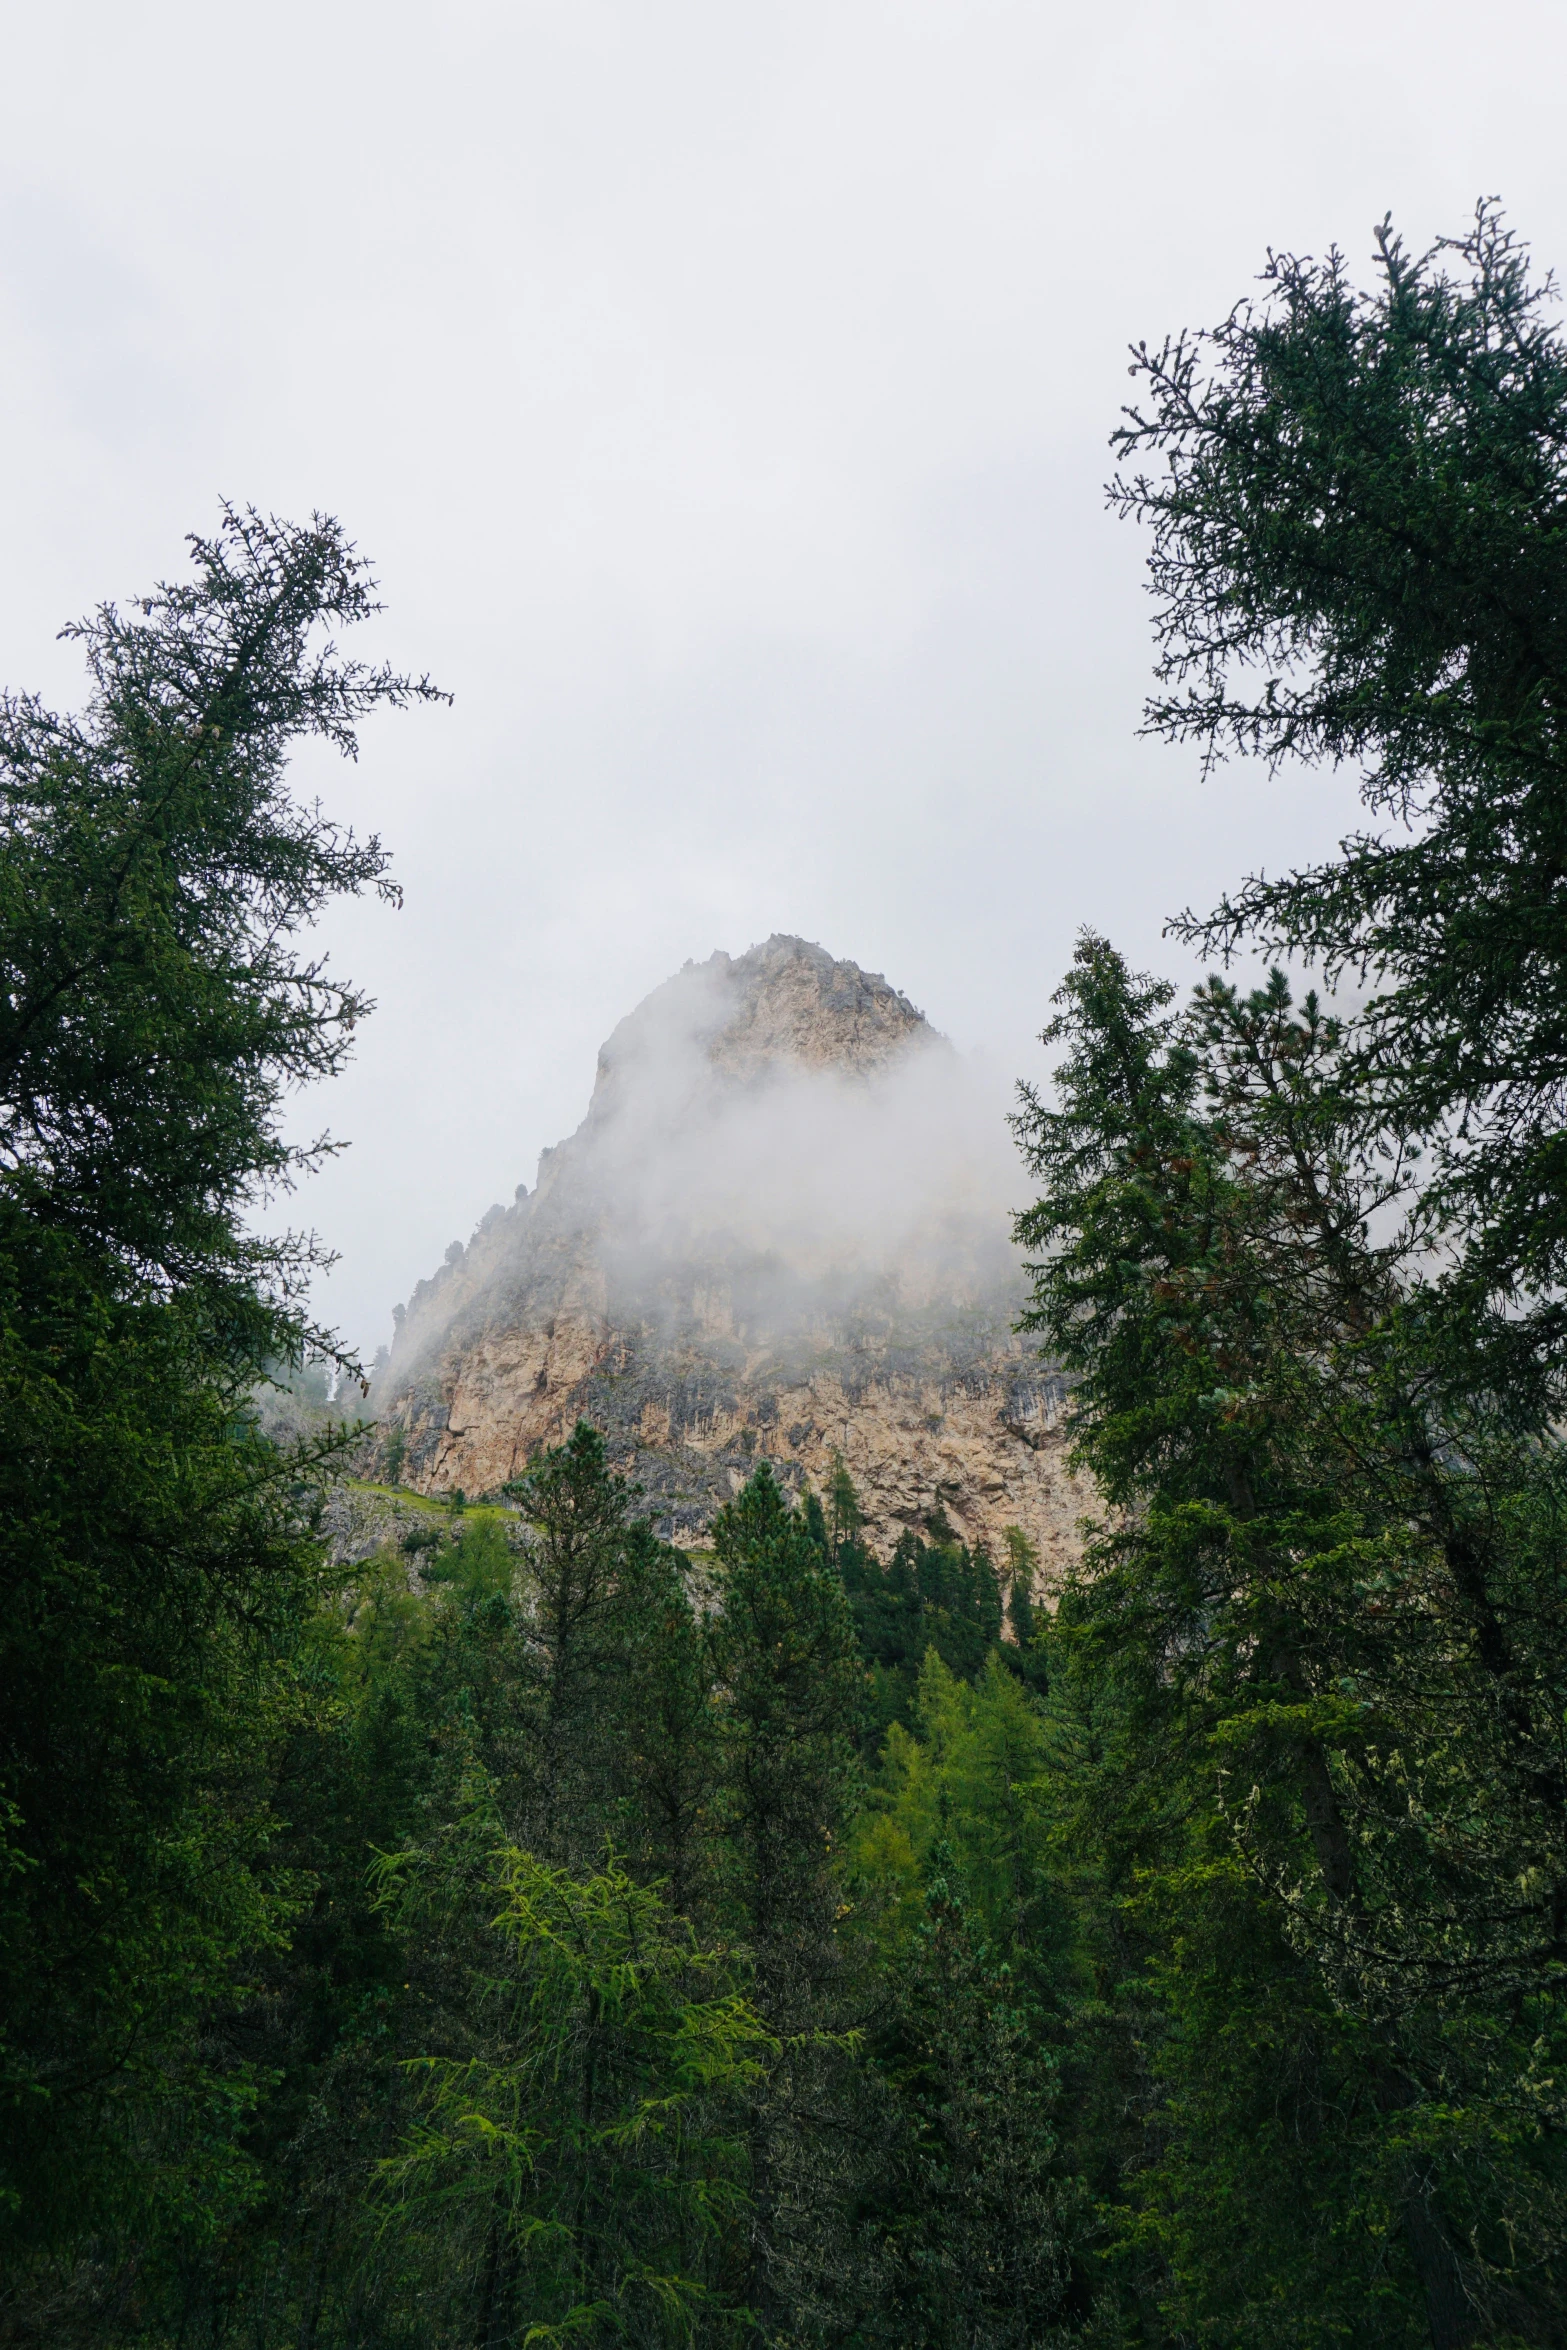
column 577, row 1612
column 845, row 1517
column 967, row 2224
column 479, row 1564
column 971, row 2218
column 930, row 1595
column 788, row 1689
column 584, row 2171
column 547, row 1938
column 1026, row 1656
column 138, row 1524
column 667, row 1751
column 155, row 878
column 1358, row 548
column 967, row 1780
column 1332, row 1769
column 1307, row 1271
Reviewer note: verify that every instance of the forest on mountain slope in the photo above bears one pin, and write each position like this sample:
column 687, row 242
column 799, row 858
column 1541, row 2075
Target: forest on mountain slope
column 539, row 1935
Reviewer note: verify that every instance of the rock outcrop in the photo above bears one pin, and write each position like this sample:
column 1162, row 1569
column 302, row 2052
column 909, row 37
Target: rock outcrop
column 779, row 1232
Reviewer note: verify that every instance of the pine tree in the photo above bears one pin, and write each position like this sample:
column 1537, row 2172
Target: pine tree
column 666, row 1734
column 156, row 878
column 967, row 2227
column 579, row 2170
column 1358, row 550
column 789, row 1685
column 576, row 1634
column 1289, row 1614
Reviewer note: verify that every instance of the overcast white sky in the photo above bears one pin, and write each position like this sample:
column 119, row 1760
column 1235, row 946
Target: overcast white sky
column 722, row 393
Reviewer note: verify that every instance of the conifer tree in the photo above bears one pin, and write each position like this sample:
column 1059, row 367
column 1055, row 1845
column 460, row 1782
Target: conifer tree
column 1356, row 501
column 576, row 1632
column 578, row 2171
column 666, row 1733
column 156, row 883
column 789, row 1685
column 965, row 2226
column 1301, row 1606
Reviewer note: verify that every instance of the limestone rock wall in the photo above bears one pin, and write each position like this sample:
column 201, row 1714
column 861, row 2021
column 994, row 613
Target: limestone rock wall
column 701, row 1353
column 980, row 1438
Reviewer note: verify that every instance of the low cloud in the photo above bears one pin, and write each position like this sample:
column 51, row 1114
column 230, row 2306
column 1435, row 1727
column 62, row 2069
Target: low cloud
column 755, row 1176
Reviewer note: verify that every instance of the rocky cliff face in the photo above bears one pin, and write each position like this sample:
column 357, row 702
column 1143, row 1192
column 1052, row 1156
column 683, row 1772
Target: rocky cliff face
column 779, row 1232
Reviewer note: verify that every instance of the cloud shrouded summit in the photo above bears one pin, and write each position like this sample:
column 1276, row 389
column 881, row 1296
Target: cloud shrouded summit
column 780, row 1120
column 781, row 1229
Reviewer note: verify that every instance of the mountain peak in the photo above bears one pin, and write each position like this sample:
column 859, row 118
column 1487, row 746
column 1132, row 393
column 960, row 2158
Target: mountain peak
column 784, row 1004
column 781, row 1232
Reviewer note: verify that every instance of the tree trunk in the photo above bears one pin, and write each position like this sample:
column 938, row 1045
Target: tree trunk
column 1451, row 2315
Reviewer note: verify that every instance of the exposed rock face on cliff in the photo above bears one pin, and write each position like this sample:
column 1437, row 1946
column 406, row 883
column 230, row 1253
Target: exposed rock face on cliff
column 780, row 1231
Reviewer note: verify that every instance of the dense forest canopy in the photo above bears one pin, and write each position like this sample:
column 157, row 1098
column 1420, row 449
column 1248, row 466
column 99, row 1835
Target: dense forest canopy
column 536, row 1933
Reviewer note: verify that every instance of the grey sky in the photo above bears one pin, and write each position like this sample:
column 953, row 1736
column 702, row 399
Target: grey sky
column 722, row 393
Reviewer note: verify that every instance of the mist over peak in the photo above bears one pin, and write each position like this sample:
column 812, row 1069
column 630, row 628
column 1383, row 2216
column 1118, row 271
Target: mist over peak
column 784, row 1004
column 781, row 1119
column 732, row 1066
column 782, row 1227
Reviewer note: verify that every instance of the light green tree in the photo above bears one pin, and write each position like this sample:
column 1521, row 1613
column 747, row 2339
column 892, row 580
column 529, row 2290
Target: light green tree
column 583, row 2172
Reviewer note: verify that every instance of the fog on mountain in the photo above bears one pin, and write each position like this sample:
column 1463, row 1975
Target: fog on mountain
column 783, row 1231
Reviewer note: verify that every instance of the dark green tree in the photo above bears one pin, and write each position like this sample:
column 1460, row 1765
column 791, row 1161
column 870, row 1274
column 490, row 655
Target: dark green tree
column 969, row 2219
column 789, row 1687
column 156, row 882
column 666, row 1756
column 1360, row 554
column 845, row 1518
column 789, row 1684
column 935, row 1594
column 158, row 879
column 966, row 2225
column 575, row 1632
column 1315, row 1633
column 1353, row 1230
